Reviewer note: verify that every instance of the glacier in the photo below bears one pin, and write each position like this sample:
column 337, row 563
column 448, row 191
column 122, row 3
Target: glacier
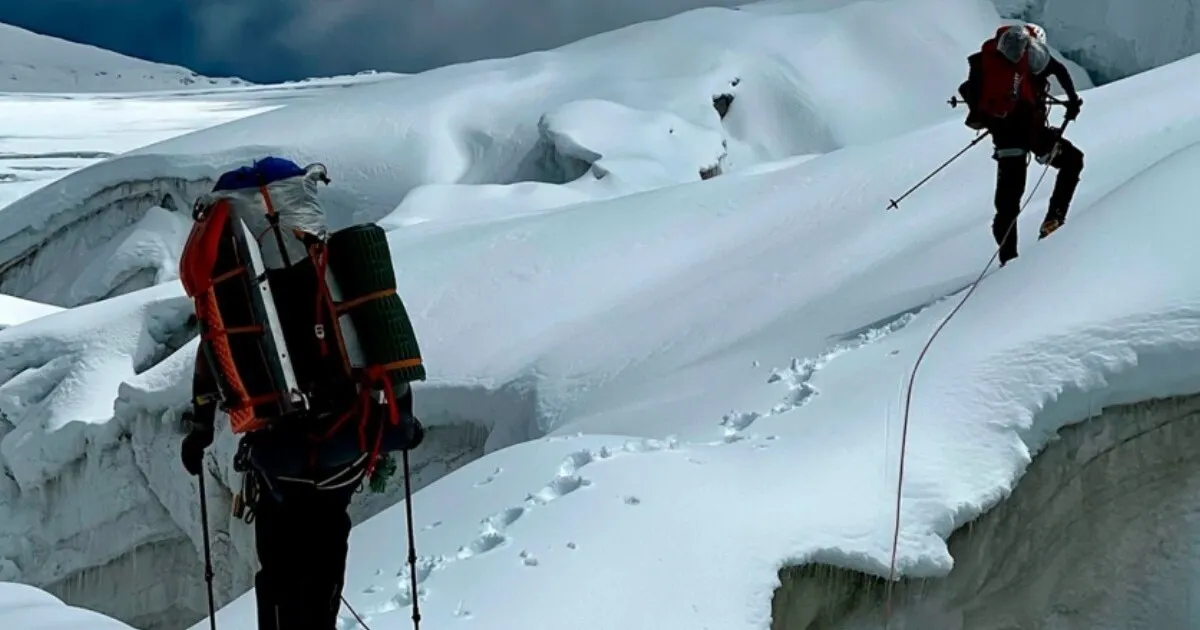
column 669, row 324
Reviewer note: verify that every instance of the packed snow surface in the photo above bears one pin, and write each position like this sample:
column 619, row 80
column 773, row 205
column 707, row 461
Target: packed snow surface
column 28, row 608
column 755, row 422
column 497, row 137
column 713, row 371
column 15, row 311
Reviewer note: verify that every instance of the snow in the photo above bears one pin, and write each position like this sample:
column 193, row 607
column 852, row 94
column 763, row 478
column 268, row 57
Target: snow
column 53, row 136
column 27, row 608
column 496, row 123
column 39, row 63
column 1114, row 39
column 796, row 307
column 649, row 391
column 15, row 311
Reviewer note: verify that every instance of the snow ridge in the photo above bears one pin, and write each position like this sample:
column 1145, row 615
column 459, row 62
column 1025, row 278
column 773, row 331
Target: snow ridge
column 90, row 238
column 30, row 62
column 625, row 318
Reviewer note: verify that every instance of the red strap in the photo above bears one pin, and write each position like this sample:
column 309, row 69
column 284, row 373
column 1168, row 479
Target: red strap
column 373, row 375
column 320, row 260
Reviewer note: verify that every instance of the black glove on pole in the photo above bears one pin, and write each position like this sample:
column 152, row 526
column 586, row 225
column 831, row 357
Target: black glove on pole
column 194, row 444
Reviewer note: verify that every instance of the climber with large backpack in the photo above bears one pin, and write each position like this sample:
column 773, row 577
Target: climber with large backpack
column 1006, row 93
column 306, row 347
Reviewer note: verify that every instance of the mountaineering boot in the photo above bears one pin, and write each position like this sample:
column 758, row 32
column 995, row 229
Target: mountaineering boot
column 1004, row 230
column 1056, row 216
column 1049, row 226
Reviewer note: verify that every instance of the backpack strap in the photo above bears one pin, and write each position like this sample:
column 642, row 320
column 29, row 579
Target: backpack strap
column 272, row 220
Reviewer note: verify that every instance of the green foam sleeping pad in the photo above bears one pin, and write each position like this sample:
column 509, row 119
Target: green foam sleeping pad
column 361, row 262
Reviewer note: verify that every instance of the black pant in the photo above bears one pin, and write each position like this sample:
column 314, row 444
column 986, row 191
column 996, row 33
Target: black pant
column 1013, row 141
column 302, row 542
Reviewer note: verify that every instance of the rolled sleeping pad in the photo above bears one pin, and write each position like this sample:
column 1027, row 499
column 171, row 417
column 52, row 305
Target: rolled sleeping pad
column 361, row 264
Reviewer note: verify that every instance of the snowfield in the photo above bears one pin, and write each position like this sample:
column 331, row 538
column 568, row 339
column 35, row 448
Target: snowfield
column 668, row 344
column 31, row 62
column 27, row 608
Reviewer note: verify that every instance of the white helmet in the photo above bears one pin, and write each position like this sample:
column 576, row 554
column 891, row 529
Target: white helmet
column 1013, row 41
column 1038, row 33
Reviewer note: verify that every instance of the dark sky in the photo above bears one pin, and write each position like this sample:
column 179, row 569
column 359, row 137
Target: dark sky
column 272, row 40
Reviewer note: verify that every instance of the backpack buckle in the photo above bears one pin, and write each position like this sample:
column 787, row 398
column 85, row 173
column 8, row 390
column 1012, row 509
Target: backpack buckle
column 319, row 331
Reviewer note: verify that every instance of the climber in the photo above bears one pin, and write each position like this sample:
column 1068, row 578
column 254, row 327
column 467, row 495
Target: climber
column 315, row 421
column 1006, row 92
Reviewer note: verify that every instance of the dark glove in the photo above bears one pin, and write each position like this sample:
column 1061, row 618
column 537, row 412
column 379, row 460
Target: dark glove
column 1073, row 106
column 416, row 434
column 194, row 443
column 975, row 120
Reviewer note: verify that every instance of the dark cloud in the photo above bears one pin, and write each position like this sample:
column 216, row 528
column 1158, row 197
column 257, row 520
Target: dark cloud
column 270, row 40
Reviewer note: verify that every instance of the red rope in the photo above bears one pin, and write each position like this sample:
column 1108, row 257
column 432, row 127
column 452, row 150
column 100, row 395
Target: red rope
column 909, row 393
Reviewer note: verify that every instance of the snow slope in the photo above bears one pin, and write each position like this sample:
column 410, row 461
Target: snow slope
column 49, row 136
column 53, row 136
column 27, row 608
column 756, row 421
column 467, row 130
column 31, row 62
column 15, row 311
column 712, row 370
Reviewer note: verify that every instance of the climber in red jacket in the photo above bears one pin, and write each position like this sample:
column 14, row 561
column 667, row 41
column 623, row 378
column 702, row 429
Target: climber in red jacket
column 1006, row 93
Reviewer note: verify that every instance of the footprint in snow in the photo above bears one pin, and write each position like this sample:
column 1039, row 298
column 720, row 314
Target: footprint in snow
column 632, row 501
column 557, row 489
column 566, row 481
column 502, row 519
column 425, row 567
column 798, row 377
column 490, row 478
column 484, row 543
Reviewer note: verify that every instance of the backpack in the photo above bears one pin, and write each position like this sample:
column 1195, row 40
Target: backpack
column 299, row 325
column 996, row 86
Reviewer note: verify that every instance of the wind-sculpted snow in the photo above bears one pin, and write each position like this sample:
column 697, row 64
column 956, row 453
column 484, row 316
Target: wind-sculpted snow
column 484, row 134
column 94, row 505
column 60, row 261
column 723, row 383
column 27, row 608
column 674, row 385
column 15, row 311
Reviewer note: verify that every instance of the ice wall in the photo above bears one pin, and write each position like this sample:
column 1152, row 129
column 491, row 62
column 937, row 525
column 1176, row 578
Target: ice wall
column 1113, row 39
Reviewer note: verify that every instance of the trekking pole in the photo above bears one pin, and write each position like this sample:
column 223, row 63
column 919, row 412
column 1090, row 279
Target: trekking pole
column 412, row 542
column 895, row 203
column 208, row 570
